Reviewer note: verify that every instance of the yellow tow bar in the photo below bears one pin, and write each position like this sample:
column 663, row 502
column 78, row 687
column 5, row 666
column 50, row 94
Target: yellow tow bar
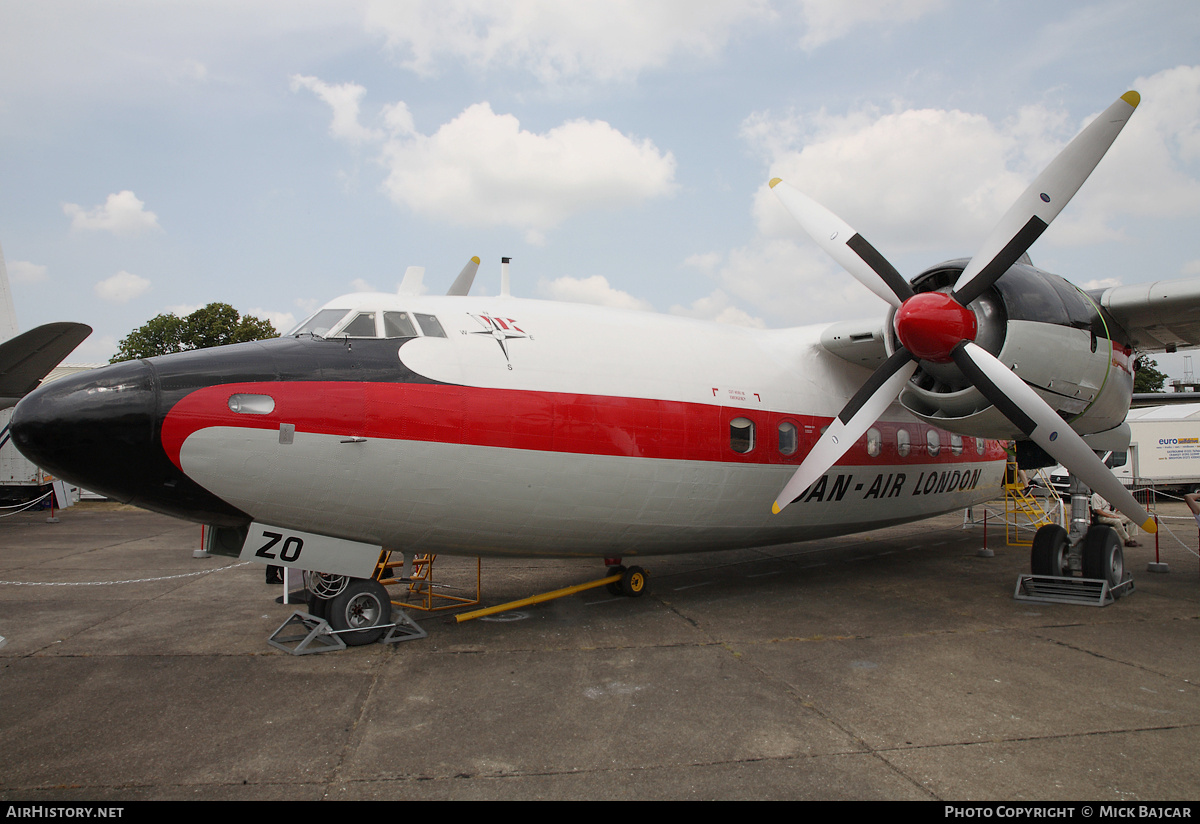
column 637, row 585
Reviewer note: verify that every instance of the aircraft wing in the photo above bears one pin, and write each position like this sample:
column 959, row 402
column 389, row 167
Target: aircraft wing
column 29, row 357
column 1160, row 317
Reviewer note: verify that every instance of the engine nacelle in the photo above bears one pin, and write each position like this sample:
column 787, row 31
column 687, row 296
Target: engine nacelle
column 1052, row 336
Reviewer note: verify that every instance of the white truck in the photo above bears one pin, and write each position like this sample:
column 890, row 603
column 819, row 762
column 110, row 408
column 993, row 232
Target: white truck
column 1164, row 451
column 20, row 480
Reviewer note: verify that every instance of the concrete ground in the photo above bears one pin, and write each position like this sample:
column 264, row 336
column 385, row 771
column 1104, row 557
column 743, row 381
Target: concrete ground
column 891, row 665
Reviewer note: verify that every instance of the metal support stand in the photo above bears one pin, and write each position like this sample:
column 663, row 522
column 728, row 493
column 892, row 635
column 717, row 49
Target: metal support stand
column 315, row 634
column 1050, row 589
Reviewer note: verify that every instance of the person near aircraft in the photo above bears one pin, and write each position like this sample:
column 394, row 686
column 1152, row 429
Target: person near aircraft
column 1191, row 500
column 1103, row 514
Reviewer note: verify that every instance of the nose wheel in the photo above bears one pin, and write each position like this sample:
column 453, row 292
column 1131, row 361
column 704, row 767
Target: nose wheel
column 633, row 581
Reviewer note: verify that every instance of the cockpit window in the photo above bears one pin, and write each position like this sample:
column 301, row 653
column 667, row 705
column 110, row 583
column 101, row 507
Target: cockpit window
column 430, row 326
column 363, row 326
column 398, row 325
column 320, row 323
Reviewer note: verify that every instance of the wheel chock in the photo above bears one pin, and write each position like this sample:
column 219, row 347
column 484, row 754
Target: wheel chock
column 405, row 629
column 315, row 635
column 306, row 634
column 1052, row 589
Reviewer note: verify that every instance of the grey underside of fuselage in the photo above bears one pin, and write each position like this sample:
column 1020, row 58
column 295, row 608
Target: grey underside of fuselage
column 474, row 500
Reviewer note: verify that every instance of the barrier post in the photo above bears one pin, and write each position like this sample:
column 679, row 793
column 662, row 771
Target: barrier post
column 985, row 552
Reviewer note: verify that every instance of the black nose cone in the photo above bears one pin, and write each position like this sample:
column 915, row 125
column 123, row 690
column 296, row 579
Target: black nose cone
column 95, row 429
column 101, row 430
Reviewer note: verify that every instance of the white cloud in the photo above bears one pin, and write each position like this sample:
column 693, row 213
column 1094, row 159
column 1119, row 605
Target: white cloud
column 825, row 20
column 282, row 321
column 95, row 349
column 344, row 99
column 307, row 305
column 121, row 287
column 607, row 40
column 483, row 169
column 718, row 307
column 595, row 290
column 22, row 271
column 182, row 310
column 790, row 283
column 1151, row 170
column 555, row 41
column 909, row 179
column 919, row 179
column 121, row 214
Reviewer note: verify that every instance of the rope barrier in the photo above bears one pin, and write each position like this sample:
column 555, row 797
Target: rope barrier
column 22, row 507
column 113, row 583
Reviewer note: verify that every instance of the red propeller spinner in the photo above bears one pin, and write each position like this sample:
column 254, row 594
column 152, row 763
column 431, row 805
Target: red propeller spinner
column 931, row 324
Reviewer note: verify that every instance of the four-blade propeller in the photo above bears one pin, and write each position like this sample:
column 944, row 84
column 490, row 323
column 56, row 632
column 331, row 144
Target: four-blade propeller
column 938, row 327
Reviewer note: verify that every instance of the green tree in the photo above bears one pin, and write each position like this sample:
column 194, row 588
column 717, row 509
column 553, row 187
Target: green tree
column 213, row 325
column 1145, row 377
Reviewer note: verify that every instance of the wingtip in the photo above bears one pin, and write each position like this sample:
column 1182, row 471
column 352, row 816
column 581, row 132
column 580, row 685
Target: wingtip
column 775, row 180
column 1132, row 98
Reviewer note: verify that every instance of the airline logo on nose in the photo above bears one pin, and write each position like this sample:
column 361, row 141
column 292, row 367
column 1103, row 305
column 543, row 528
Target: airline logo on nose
column 502, row 330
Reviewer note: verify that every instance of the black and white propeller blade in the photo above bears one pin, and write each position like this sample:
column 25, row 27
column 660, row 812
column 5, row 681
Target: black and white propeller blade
column 462, row 283
column 1042, row 425
column 871, row 401
column 939, row 328
column 1033, row 211
column 850, row 249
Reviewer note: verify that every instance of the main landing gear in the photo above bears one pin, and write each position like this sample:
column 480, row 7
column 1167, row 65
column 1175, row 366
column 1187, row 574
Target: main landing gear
column 1099, row 555
column 351, row 604
column 1085, row 565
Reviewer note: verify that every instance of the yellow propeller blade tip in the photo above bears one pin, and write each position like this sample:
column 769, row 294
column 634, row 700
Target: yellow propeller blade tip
column 1132, row 98
column 475, row 260
column 1150, row 526
column 775, row 180
column 775, row 509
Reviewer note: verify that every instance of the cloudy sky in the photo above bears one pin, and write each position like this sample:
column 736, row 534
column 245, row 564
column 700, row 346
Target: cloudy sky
column 158, row 156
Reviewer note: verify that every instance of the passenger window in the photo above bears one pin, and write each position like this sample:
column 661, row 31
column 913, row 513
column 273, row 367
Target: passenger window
column 788, row 438
column 934, row 441
column 979, row 445
column 430, row 326
column 956, row 444
column 874, row 442
column 903, row 444
column 398, row 325
column 741, row 435
column 363, row 326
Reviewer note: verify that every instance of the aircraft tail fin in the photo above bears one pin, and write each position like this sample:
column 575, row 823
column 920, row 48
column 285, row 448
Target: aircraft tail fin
column 29, row 357
column 413, row 277
column 462, row 283
column 8, row 313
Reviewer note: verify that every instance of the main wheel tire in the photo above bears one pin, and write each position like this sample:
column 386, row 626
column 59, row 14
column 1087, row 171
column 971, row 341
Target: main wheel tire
column 1051, row 552
column 363, row 604
column 633, row 582
column 1103, row 556
column 317, row 607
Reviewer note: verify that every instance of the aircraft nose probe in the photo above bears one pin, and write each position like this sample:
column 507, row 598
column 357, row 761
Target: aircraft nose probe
column 940, row 328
